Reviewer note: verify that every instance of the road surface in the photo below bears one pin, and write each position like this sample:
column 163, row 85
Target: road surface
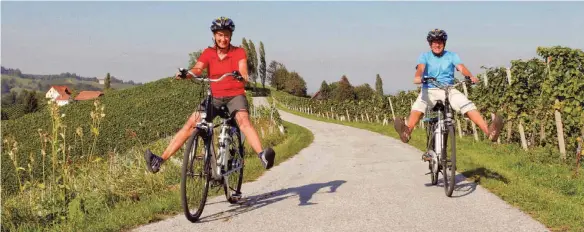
column 350, row 179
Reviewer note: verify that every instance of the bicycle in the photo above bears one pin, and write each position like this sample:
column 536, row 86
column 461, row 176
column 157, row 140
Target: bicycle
column 216, row 168
column 441, row 128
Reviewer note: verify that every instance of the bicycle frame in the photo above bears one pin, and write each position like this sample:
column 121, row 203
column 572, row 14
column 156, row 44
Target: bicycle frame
column 220, row 164
column 438, row 125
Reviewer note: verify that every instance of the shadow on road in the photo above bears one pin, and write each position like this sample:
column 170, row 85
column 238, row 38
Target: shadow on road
column 471, row 178
column 258, row 201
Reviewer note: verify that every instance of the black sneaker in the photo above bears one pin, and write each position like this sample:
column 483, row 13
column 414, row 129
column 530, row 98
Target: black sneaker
column 267, row 157
column 153, row 161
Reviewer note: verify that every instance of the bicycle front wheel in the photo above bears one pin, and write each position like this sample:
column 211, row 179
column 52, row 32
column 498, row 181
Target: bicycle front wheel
column 196, row 174
column 449, row 162
column 232, row 183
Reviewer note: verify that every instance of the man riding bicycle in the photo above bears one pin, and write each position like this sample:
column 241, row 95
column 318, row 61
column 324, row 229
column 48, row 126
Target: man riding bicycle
column 441, row 64
column 220, row 59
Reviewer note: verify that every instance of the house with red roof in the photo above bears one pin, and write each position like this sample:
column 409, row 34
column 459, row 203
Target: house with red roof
column 88, row 95
column 59, row 94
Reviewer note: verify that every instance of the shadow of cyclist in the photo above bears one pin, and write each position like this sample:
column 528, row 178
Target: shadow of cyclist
column 473, row 178
column 250, row 203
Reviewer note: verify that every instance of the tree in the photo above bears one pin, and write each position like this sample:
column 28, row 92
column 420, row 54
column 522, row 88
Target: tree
column 271, row 71
column 262, row 65
column 344, row 90
column 295, row 85
column 193, row 57
column 364, row 92
column 280, row 76
column 30, row 102
column 324, row 90
column 379, row 85
column 253, row 67
column 107, row 81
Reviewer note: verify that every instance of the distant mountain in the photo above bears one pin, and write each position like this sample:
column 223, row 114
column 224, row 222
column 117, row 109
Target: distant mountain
column 15, row 80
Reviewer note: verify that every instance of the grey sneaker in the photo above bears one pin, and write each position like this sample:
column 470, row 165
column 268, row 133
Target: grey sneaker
column 153, row 161
column 267, row 157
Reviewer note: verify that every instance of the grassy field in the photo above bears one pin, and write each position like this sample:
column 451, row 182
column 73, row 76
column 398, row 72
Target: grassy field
column 118, row 194
column 535, row 181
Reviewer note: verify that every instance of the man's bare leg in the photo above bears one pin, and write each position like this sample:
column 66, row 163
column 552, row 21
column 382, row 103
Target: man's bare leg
column 493, row 131
column 414, row 119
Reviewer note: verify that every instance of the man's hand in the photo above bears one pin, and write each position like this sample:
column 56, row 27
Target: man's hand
column 177, row 76
column 418, row 80
column 474, row 79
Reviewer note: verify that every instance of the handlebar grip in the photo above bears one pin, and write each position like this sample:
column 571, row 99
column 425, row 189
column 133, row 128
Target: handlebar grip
column 426, row 79
column 183, row 73
column 237, row 75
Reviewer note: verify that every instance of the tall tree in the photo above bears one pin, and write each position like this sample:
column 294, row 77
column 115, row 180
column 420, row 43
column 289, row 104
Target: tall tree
column 324, row 90
column 107, row 81
column 280, row 77
column 295, row 84
column 344, row 90
column 245, row 46
column 271, row 71
column 379, row 85
column 254, row 61
column 30, row 102
column 364, row 92
column 262, row 65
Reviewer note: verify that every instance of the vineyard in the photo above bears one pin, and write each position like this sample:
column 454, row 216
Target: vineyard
column 64, row 167
column 541, row 100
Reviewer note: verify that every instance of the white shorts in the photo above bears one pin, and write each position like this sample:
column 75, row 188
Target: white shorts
column 428, row 97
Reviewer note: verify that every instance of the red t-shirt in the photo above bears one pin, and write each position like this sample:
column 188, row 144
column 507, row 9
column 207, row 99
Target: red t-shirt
column 229, row 86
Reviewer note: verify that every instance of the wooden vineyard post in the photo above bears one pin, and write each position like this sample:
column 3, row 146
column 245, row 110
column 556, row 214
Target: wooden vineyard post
column 560, row 130
column 522, row 134
column 348, row 117
column 578, row 155
column 474, row 127
column 391, row 106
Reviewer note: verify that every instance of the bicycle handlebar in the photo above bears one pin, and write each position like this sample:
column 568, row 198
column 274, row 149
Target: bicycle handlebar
column 433, row 80
column 184, row 72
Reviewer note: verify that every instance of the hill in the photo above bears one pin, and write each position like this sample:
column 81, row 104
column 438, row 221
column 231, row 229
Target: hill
column 153, row 110
column 15, row 80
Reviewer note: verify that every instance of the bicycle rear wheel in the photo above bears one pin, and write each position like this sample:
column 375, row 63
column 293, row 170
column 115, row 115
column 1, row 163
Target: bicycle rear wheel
column 449, row 162
column 232, row 182
column 196, row 174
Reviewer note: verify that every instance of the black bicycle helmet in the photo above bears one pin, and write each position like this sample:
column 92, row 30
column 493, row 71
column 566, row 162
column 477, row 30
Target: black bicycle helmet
column 437, row 34
column 222, row 23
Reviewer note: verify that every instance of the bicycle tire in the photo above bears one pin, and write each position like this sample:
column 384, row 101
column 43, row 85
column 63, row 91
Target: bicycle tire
column 449, row 158
column 192, row 142
column 430, row 146
column 240, row 153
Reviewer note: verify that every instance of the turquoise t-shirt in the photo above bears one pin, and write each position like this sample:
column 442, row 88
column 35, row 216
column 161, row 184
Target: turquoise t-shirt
column 442, row 68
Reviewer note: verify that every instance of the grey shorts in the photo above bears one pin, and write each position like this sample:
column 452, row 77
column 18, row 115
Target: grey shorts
column 231, row 104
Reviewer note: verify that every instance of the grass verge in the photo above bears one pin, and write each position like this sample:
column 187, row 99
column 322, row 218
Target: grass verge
column 152, row 197
column 530, row 181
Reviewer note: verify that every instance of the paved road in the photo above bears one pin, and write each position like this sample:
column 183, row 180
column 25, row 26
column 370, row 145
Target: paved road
column 354, row 180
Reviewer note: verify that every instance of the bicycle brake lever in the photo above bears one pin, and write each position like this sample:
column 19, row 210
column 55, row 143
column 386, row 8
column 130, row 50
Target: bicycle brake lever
column 237, row 75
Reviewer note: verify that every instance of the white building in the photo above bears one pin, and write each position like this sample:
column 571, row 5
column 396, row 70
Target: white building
column 59, row 94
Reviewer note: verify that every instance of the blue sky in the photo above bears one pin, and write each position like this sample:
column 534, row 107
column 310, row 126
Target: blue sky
column 146, row 41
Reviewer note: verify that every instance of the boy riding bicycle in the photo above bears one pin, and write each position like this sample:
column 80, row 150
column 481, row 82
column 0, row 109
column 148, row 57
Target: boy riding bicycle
column 219, row 59
column 441, row 64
